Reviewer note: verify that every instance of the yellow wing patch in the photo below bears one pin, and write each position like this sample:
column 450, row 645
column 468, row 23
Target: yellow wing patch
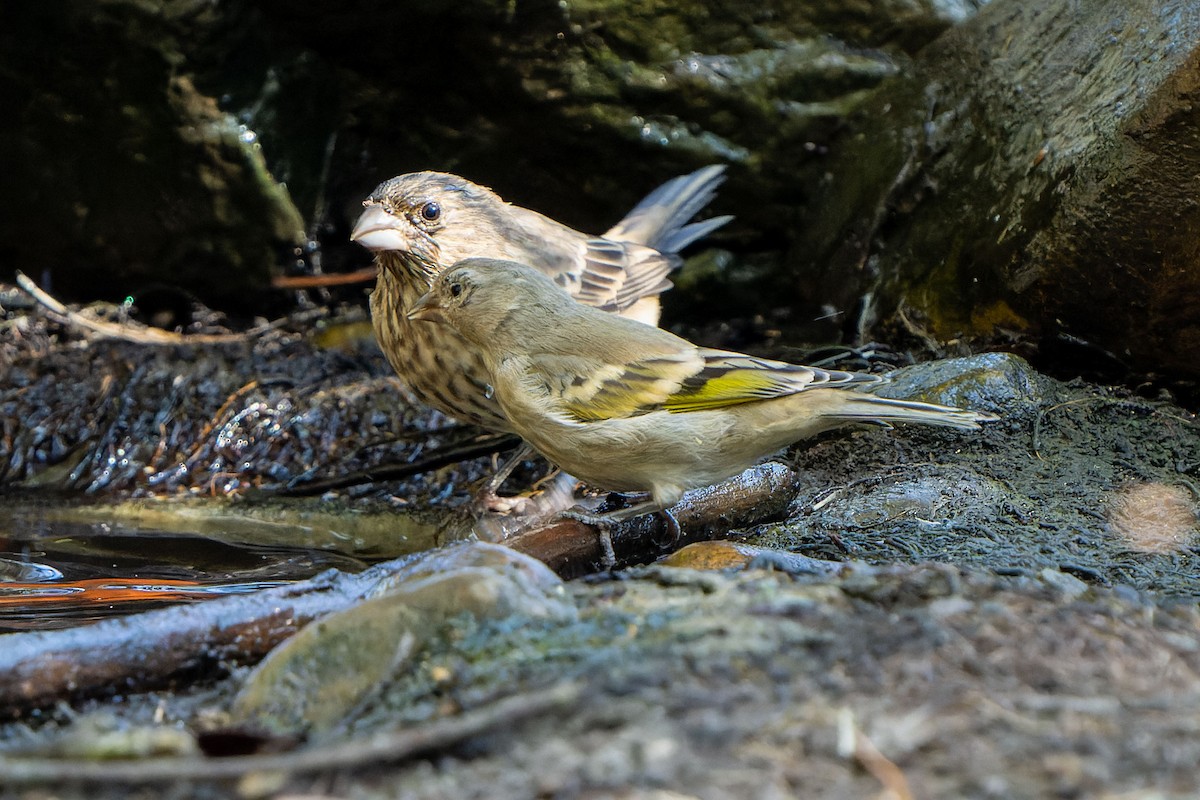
column 695, row 380
column 628, row 390
column 731, row 379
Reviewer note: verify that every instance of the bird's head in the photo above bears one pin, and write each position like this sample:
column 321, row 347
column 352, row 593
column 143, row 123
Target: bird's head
column 425, row 219
column 479, row 297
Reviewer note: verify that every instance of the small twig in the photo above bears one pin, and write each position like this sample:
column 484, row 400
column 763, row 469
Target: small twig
column 443, row 456
column 829, row 494
column 43, row 667
column 108, row 441
column 1103, row 401
column 915, row 330
column 1036, row 442
column 139, row 334
column 329, row 279
column 382, row 747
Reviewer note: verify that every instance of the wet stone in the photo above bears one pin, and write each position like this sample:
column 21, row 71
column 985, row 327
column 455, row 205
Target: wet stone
column 331, row 667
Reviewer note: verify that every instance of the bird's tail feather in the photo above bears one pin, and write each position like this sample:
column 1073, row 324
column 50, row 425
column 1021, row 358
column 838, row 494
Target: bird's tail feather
column 660, row 220
column 870, row 408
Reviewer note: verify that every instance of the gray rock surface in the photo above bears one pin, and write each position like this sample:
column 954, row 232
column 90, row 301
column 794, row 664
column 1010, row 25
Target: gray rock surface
column 1035, row 172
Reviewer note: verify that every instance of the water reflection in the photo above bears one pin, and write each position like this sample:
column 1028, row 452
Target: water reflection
column 63, row 566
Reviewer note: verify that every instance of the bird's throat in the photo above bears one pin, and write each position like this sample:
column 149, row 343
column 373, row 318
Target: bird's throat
column 407, row 268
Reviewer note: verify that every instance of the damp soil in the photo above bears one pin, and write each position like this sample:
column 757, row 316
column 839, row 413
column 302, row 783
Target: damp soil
column 1016, row 616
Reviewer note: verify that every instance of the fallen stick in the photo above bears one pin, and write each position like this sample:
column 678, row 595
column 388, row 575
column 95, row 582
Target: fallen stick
column 139, row 334
column 328, row 279
column 382, row 747
column 572, row 548
column 144, row 650
column 484, row 445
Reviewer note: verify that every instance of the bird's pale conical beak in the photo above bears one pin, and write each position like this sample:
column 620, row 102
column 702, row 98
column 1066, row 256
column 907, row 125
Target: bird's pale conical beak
column 376, row 229
column 427, row 308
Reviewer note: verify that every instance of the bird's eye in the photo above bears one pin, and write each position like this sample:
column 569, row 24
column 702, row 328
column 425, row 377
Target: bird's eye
column 456, row 289
column 431, row 212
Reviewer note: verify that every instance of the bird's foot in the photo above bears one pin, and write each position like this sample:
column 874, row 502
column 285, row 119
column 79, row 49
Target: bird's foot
column 497, row 518
column 514, row 505
column 674, row 532
column 603, row 524
column 552, row 493
column 549, row 496
column 488, row 498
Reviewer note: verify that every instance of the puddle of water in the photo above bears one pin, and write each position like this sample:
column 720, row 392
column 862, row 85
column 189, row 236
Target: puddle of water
column 68, row 565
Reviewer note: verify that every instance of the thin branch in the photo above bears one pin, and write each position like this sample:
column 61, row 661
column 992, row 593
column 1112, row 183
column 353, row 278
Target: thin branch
column 443, row 456
column 42, row 667
column 218, row 418
column 572, row 548
column 139, row 334
column 382, row 747
column 852, row 742
column 328, row 279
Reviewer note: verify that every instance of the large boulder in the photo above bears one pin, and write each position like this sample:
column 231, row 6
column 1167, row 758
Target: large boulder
column 1037, row 172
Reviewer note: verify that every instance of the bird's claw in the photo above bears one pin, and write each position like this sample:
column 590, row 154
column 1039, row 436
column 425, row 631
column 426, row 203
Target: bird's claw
column 674, row 532
column 550, row 495
column 515, row 505
column 603, row 526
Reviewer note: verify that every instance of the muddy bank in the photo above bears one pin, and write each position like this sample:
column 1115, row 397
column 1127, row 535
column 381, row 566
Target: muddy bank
column 1008, row 614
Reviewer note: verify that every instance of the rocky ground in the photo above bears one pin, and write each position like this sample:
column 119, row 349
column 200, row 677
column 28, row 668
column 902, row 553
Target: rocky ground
column 916, row 613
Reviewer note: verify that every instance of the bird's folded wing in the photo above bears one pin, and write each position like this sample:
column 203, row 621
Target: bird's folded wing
column 727, row 379
column 612, row 386
column 690, row 380
column 617, row 274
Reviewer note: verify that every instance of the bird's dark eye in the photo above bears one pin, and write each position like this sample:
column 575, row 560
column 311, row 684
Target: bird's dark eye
column 431, row 211
column 456, row 289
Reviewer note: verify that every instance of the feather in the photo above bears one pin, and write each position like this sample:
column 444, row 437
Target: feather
column 660, row 220
column 594, row 391
column 690, row 379
column 616, row 275
column 728, row 379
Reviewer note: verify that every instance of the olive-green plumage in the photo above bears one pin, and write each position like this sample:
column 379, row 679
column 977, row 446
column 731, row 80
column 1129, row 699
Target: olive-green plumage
column 628, row 407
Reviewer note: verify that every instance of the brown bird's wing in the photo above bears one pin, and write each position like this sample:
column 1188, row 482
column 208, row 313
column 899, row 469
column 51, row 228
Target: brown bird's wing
column 598, row 272
column 632, row 260
column 615, row 275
